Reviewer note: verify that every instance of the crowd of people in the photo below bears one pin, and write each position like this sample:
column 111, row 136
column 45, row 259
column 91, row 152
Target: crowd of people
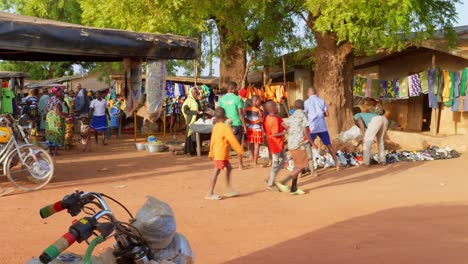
column 55, row 113
column 237, row 118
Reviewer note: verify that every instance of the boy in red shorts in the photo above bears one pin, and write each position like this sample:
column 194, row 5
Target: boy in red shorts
column 222, row 138
column 254, row 119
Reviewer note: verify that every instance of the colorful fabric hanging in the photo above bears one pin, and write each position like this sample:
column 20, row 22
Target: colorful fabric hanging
column 391, row 89
column 464, row 83
column 414, row 85
column 424, row 82
column 456, row 92
column 396, row 89
column 403, row 88
column 359, row 87
column 451, row 89
column 368, row 88
column 439, row 85
column 383, row 89
column 375, row 89
column 432, row 96
column 446, row 90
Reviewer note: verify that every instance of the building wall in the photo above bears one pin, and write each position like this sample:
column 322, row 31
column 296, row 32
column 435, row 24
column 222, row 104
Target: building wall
column 406, row 112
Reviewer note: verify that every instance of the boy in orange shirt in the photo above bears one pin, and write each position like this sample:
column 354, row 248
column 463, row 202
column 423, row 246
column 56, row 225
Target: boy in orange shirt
column 222, row 138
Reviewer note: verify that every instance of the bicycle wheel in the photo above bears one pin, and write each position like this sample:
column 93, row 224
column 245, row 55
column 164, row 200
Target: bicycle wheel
column 33, row 171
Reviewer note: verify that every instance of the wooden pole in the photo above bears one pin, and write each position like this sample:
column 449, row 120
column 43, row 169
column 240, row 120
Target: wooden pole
column 285, row 87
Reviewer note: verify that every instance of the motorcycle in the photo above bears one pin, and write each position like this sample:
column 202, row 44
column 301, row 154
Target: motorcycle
column 148, row 238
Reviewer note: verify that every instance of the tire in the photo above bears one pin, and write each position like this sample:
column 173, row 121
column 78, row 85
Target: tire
column 34, row 176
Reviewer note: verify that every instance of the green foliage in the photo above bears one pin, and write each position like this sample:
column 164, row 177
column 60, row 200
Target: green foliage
column 373, row 24
column 39, row 70
column 264, row 27
column 62, row 10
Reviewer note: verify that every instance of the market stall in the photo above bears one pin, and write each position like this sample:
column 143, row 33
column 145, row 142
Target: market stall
column 12, row 88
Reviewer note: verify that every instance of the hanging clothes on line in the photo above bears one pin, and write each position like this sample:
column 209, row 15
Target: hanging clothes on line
column 446, row 90
column 375, row 89
column 403, row 88
column 464, row 82
column 424, row 76
column 383, row 89
column 368, row 92
column 432, row 90
column 456, row 92
column 359, row 87
column 414, row 85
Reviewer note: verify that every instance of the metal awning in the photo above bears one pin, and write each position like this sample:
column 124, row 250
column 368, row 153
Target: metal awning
column 36, row 39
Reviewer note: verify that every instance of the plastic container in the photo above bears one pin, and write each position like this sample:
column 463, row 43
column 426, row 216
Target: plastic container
column 155, row 148
column 140, row 146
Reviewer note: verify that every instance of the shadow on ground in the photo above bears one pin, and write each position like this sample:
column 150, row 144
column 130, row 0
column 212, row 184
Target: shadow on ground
column 418, row 234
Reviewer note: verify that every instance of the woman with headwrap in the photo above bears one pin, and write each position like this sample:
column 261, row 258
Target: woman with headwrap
column 55, row 121
column 192, row 111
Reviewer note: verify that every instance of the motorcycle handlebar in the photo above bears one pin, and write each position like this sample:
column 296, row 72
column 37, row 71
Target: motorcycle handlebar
column 54, row 250
column 51, row 209
column 71, row 202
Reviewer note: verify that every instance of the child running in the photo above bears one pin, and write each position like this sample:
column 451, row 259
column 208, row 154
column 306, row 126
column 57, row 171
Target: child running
column 254, row 119
column 297, row 129
column 222, row 138
column 274, row 132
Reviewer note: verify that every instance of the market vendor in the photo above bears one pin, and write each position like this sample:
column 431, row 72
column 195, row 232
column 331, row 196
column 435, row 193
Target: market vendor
column 372, row 126
column 191, row 110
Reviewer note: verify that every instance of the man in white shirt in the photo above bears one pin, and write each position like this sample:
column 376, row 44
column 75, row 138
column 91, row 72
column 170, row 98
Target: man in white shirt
column 316, row 110
column 99, row 113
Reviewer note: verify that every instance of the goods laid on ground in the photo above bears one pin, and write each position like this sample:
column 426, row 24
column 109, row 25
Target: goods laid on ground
column 355, row 158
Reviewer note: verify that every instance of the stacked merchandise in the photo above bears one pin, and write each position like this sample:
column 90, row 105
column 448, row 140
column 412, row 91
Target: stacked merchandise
column 442, row 86
column 349, row 159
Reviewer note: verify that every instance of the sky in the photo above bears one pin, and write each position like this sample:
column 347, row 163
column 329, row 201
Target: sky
column 462, row 9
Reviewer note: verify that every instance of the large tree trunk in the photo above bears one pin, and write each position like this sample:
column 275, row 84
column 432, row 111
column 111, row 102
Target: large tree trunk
column 233, row 58
column 333, row 79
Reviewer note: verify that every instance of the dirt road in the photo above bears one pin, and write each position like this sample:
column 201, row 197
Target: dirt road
column 401, row 213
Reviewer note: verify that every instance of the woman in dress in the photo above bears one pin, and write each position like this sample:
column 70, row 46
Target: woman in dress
column 55, row 121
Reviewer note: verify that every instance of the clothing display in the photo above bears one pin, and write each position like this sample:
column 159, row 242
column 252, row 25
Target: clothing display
column 8, row 97
column 414, row 85
column 403, row 88
column 441, row 86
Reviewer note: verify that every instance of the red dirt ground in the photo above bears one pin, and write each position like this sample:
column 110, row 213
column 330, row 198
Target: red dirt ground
column 401, row 213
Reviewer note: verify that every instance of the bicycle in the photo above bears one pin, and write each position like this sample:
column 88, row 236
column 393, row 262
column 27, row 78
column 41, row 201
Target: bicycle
column 27, row 166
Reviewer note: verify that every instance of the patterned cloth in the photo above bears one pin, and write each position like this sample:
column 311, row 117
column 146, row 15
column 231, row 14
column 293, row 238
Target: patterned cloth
column 446, row 90
column 359, row 87
column 392, row 89
column 369, row 88
column 424, row 82
column 414, row 85
column 403, row 88
column 464, row 82
column 456, row 92
column 55, row 125
column 383, row 89
column 375, row 89
column 432, row 93
column 296, row 123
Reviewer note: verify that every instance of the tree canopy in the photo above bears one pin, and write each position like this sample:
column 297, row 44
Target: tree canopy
column 376, row 24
